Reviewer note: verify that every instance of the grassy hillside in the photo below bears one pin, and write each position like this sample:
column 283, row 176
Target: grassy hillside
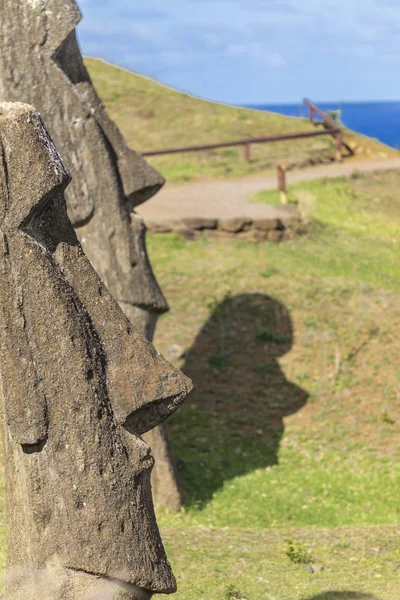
column 293, row 430
column 295, row 420
column 152, row 116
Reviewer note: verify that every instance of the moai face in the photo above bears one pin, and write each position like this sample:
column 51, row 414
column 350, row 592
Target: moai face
column 79, row 386
column 41, row 64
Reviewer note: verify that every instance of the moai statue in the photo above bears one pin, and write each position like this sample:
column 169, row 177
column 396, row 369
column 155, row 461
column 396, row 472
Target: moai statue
column 41, row 64
column 79, row 386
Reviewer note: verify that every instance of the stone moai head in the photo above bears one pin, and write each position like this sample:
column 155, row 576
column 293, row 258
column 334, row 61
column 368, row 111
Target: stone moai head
column 41, row 64
column 79, row 388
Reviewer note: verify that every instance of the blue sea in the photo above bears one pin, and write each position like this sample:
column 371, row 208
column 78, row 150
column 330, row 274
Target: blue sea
column 380, row 120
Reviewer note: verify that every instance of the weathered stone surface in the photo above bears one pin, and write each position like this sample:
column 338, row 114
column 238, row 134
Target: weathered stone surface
column 200, row 223
column 221, row 235
column 288, row 235
column 254, row 235
column 275, row 236
column 267, row 224
column 188, row 234
column 79, row 387
column 171, row 495
column 235, row 225
column 162, row 227
column 41, row 64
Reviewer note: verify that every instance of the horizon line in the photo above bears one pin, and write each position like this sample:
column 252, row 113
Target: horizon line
column 245, row 105
column 252, row 104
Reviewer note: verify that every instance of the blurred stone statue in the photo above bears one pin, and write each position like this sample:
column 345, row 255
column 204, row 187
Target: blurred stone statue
column 41, row 64
column 79, row 387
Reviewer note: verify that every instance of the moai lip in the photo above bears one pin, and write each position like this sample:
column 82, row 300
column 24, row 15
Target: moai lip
column 41, row 64
column 79, row 387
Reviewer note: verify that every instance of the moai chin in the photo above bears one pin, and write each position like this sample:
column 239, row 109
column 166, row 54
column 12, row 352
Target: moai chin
column 79, row 387
column 41, row 64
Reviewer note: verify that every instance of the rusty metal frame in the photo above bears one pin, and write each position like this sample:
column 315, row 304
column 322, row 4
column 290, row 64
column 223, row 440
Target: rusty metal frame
column 246, row 142
column 332, row 130
column 313, row 109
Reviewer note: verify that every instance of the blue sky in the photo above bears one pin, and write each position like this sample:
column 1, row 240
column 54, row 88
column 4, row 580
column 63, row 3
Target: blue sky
column 253, row 51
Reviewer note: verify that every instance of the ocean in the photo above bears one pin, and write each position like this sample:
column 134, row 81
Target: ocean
column 380, row 120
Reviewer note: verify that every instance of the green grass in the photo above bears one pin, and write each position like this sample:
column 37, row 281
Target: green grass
column 152, row 117
column 295, row 419
column 358, row 564
column 267, row 198
column 272, row 197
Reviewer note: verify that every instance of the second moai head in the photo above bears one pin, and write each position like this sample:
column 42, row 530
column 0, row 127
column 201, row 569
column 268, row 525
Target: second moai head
column 41, row 64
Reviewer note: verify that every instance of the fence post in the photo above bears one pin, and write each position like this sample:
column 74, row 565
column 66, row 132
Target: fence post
column 310, row 114
column 281, row 172
column 246, row 152
column 339, row 143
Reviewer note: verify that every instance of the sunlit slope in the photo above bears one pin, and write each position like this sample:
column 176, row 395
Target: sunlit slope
column 152, row 116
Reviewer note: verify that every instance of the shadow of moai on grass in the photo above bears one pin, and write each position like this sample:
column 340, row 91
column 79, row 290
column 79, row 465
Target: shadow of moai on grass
column 233, row 421
column 342, row 596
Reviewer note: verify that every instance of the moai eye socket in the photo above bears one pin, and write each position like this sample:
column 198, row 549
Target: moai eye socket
column 69, row 59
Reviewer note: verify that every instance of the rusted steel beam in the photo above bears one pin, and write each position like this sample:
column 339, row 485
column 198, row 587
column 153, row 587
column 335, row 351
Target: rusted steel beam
column 320, row 113
column 281, row 173
column 281, row 178
column 338, row 135
column 259, row 140
column 339, row 143
column 247, row 152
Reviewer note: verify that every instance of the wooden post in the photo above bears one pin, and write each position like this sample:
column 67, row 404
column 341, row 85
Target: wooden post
column 281, row 172
column 339, row 143
column 310, row 115
column 246, row 152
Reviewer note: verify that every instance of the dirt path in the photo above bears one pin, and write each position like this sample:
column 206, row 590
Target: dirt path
column 231, row 198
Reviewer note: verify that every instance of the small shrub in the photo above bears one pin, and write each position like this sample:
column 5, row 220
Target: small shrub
column 233, row 594
column 386, row 418
column 335, row 116
column 297, row 553
column 269, row 273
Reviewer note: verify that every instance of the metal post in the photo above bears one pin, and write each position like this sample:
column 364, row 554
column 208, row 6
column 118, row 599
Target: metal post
column 246, row 152
column 339, row 143
column 281, row 172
